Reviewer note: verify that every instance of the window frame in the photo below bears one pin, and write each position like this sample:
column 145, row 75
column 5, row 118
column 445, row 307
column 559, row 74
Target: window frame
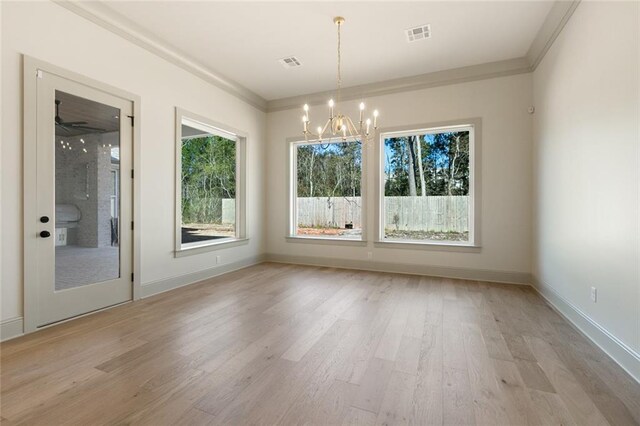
column 224, row 131
column 292, row 186
column 474, row 125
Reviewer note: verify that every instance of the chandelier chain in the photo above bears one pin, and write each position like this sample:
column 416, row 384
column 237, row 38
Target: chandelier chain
column 339, row 64
column 340, row 126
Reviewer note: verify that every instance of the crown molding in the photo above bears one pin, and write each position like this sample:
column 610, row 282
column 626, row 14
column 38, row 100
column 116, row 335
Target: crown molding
column 105, row 17
column 108, row 19
column 552, row 26
column 424, row 81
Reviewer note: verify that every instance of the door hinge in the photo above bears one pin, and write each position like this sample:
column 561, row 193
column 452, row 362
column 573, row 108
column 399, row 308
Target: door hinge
column 39, row 74
column 132, row 120
column 132, row 225
column 131, row 173
column 132, row 277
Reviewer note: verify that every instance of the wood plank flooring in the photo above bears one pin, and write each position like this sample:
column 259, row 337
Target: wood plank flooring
column 286, row 344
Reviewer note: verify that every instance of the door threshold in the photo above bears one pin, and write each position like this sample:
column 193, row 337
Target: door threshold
column 51, row 324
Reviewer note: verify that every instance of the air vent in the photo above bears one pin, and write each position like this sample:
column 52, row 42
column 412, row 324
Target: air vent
column 418, row 33
column 290, row 62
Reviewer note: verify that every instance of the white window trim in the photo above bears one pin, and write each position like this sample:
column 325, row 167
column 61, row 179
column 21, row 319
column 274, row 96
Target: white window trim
column 475, row 138
column 292, row 205
column 224, row 131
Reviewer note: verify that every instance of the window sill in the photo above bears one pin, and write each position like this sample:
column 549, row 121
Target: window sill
column 204, row 248
column 428, row 245
column 328, row 241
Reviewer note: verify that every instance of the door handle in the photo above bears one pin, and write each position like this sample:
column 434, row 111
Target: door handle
column 45, row 234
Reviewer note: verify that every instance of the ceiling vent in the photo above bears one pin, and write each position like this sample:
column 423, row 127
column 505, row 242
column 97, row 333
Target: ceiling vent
column 290, row 62
column 418, row 33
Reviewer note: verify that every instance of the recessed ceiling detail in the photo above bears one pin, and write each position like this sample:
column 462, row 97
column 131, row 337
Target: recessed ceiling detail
column 422, row 32
column 290, row 62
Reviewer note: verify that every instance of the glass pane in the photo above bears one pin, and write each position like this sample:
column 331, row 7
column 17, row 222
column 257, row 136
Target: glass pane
column 426, row 191
column 87, row 191
column 329, row 202
column 208, row 186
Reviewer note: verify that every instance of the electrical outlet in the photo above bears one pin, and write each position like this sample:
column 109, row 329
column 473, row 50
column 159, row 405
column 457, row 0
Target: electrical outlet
column 218, row 260
column 594, row 294
column 369, row 255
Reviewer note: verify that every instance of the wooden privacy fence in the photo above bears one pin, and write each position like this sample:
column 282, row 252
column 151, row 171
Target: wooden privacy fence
column 329, row 212
column 435, row 213
column 228, row 211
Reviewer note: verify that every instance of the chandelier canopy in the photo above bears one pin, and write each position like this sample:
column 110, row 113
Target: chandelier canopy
column 339, row 125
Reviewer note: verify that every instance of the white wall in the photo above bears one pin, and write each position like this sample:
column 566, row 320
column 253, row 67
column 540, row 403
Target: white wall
column 51, row 33
column 585, row 193
column 502, row 105
column 586, row 139
column 1, row 179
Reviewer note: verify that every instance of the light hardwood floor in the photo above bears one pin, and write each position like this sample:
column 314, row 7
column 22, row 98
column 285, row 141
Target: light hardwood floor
column 289, row 344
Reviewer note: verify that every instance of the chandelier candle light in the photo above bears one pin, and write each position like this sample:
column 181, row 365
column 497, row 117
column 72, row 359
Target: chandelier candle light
column 340, row 125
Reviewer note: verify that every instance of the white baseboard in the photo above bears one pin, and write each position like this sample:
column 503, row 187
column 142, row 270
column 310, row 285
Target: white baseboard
column 11, row 328
column 166, row 284
column 622, row 354
column 508, row 277
column 617, row 350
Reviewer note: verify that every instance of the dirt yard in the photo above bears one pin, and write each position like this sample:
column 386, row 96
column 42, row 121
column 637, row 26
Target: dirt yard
column 426, row 235
column 329, row 232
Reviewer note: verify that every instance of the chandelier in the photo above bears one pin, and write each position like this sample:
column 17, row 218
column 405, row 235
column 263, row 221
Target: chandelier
column 340, row 126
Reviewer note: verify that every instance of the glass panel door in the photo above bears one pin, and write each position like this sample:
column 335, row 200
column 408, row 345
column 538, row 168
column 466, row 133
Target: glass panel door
column 87, row 168
column 83, row 247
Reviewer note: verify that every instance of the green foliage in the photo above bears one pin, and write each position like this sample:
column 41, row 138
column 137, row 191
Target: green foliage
column 208, row 176
column 445, row 164
column 331, row 170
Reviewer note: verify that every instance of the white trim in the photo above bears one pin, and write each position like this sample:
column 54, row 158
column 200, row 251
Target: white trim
column 110, row 20
column 617, row 350
column 474, row 127
column 292, row 187
column 167, row 284
column 240, row 139
column 11, row 328
column 107, row 18
column 225, row 243
column 406, row 84
column 208, row 129
column 507, row 277
column 30, row 68
column 555, row 21
column 427, row 245
column 326, row 240
column 553, row 25
column 427, row 130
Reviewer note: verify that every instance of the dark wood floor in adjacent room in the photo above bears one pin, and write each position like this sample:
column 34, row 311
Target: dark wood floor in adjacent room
column 285, row 344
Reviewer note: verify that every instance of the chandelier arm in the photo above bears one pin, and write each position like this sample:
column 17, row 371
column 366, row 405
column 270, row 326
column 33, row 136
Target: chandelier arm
column 338, row 125
column 324, row 129
column 352, row 129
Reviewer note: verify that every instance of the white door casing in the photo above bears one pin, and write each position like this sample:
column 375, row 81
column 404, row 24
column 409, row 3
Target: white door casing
column 43, row 304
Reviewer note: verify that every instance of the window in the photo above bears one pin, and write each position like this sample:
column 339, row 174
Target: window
column 427, row 186
column 209, row 185
column 326, row 197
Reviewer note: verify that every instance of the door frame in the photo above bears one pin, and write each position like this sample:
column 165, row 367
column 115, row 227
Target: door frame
column 31, row 66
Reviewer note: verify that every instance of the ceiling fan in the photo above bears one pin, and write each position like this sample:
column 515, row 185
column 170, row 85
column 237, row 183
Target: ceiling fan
column 70, row 126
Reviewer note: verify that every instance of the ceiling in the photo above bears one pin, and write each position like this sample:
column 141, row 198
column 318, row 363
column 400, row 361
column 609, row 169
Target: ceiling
column 242, row 41
column 90, row 116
